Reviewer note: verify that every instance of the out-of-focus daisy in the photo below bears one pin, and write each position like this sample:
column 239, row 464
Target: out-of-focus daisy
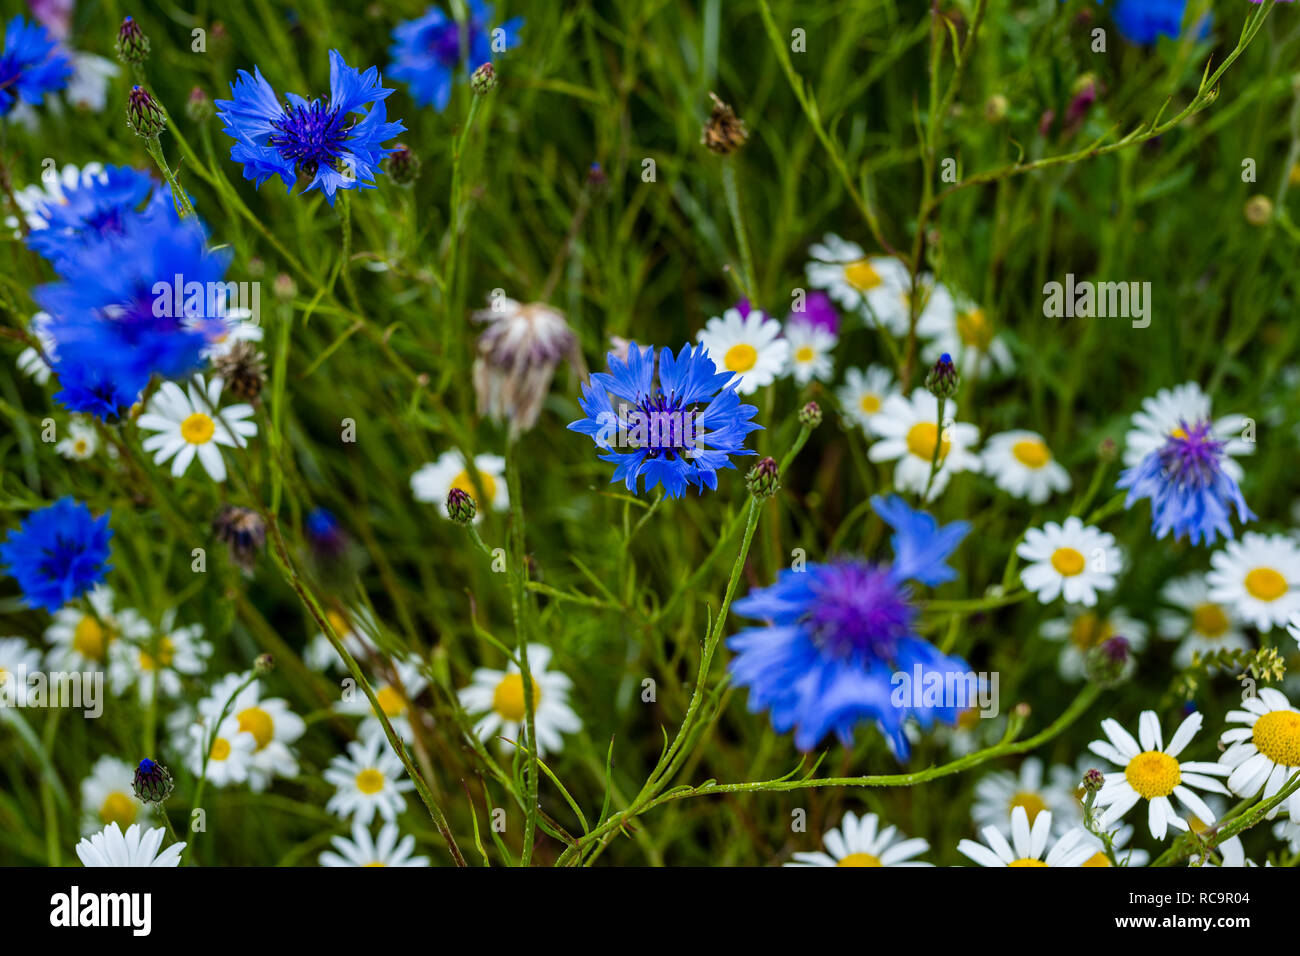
column 83, row 637
column 17, row 660
column 1264, row 753
column 853, row 279
column 863, row 394
column 909, row 431
column 810, row 351
column 998, row 794
column 51, row 192
column 748, row 346
column 1258, row 577
column 157, row 663
column 496, row 699
column 395, row 692
column 1152, row 772
column 368, row 780
column 433, row 480
column 1068, row 559
column 1204, row 626
column 136, row 847
column 1028, row 846
column 1082, row 630
column 194, row 425
column 1021, row 464
column 80, row 443
column 1169, row 412
column 225, row 329
column 364, row 850
column 968, row 334
column 88, row 86
column 268, row 721
column 861, row 842
column 32, row 362
column 229, row 752
column 1119, row 839
column 107, row 795
column 353, row 627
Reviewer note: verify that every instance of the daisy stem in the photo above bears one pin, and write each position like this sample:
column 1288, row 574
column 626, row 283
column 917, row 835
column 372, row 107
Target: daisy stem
column 154, row 148
column 208, row 741
column 732, row 190
column 1226, row 829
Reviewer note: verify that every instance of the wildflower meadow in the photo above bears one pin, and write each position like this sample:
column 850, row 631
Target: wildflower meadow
column 747, row 434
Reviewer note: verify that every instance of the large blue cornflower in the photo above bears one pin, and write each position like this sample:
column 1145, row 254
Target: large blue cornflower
column 1191, row 493
column 321, row 140
column 58, row 553
column 31, row 65
column 839, row 633
column 91, row 209
column 675, row 426
column 1143, row 21
column 427, row 51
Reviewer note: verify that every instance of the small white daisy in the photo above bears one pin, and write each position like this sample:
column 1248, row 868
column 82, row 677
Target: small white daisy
column 1169, row 410
column 1028, row 846
column 999, row 793
column 1022, row 465
column 1264, row 753
column 1119, row 839
column 80, row 443
column 108, row 795
column 1204, row 626
column 50, row 191
column 1072, row 559
column 157, row 663
column 1258, row 577
column 369, row 779
column 909, row 431
column 395, row 692
column 17, row 661
column 810, row 351
column 136, row 847
column 853, row 279
column 861, row 842
column 1080, row 630
column 863, row 394
column 353, row 627
column 87, row 88
column 967, row 334
column 31, row 362
column 224, row 331
column 229, row 754
column 363, row 850
column 1152, row 772
column 432, row 481
column 749, row 346
column 194, row 426
column 268, row 721
column 497, row 699
column 82, row 638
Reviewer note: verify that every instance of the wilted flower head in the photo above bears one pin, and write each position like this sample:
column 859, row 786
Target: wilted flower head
column 517, row 356
column 725, row 132
column 244, row 532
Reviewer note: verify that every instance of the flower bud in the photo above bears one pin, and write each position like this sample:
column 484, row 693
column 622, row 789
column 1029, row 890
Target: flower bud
column 1259, row 210
column 199, row 106
column 810, row 415
column 943, row 380
column 483, row 80
column 132, row 44
column 143, row 115
column 461, row 507
column 1093, row 780
column 264, row 664
column 764, row 478
column 995, row 108
column 402, row 165
column 152, row 782
column 1109, row 663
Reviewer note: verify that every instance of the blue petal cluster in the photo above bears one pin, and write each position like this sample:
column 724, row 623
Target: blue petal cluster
column 58, row 553
column 321, row 140
column 838, row 633
column 94, row 209
column 1143, row 21
column 427, row 51
column 674, row 425
column 31, row 65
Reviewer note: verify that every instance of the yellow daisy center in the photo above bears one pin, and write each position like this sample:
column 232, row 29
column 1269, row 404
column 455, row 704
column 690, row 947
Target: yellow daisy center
column 1265, row 584
column 391, row 701
column 463, row 482
column 1032, row 802
column 921, row 439
column 370, row 781
column 1088, row 630
column 1026, row 861
column 508, row 698
column 1153, row 774
column 338, row 622
column 1209, row 620
column 198, row 429
column 870, row 404
column 1277, row 735
column 968, row 719
column 804, row 354
column 1031, row 453
column 1097, row 859
column 1067, row 561
column 974, row 330
column 165, row 652
column 79, row 446
column 256, row 721
column 862, row 276
column 376, row 864
column 118, row 808
column 89, row 639
column 1195, row 823
column 859, row 859
column 740, row 357
column 220, row 749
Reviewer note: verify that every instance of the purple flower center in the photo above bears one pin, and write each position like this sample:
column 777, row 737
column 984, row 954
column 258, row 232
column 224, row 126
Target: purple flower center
column 859, row 611
column 444, row 43
column 1191, row 455
column 664, row 426
column 310, row 135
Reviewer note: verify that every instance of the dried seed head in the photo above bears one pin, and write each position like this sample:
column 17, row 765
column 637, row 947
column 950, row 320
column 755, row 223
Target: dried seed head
column 244, row 370
column 725, row 132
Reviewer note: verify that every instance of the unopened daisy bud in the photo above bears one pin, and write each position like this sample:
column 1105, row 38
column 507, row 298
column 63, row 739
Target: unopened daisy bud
column 263, row 665
column 283, row 287
column 1107, row 450
column 995, row 108
column 725, row 132
column 483, row 80
column 243, row 368
column 402, row 165
column 199, row 106
column 461, row 507
column 143, row 115
column 132, row 44
column 152, row 782
column 810, row 415
column 764, row 478
column 1259, row 210
column 1093, row 780
column 943, row 380
column 244, row 532
column 1108, row 662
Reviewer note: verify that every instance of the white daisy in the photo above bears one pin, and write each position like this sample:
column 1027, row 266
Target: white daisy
column 967, row 334
column 1022, row 465
column 157, row 663
column 1080, row 630
column 1119, row 839
column 1204, row 626
column 17, row 661
column 1028, row 845
column 224, row 331
column 108, row 795
column 1258, row 577
column 31, row 362
column 395, row 693
column 80, row 443
column 1152, row 772
column 1264, row 753
column 749, row 346
column 137, row 847
column 229, row 754
column 194, row 426
column 268, row 721
column 1072, row 559
column 863, row 394
column 937, row 308
column 50, row 191
column 434, row 480
column 909, row 431
column 369, row 779
column 1293, row 626
column 88, row 85
column 498, row 696
column 998, row 794
column 363, row 850
column 1167, row 411
column 810, row 351
column 854, row 280
column 860, row 842
column 83, row 638
column 353, row 627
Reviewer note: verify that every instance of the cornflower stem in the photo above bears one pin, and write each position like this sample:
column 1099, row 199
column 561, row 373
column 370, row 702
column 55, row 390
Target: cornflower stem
column 732, row 190
column 345, row 217
column 153, row 146
column 934, row 455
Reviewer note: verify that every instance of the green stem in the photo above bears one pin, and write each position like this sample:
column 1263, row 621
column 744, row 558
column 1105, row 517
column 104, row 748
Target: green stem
column 732, row 190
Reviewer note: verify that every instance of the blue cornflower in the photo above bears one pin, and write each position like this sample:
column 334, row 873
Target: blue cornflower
column 1191, row 493
column 325, row 533
column 679, row 423
column 427, row 51
column 321, row 140
column 91, row 209
column 92, row 390
column 838, row 634
column 31, row 65
column 1143, row 21
column 60, row 552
